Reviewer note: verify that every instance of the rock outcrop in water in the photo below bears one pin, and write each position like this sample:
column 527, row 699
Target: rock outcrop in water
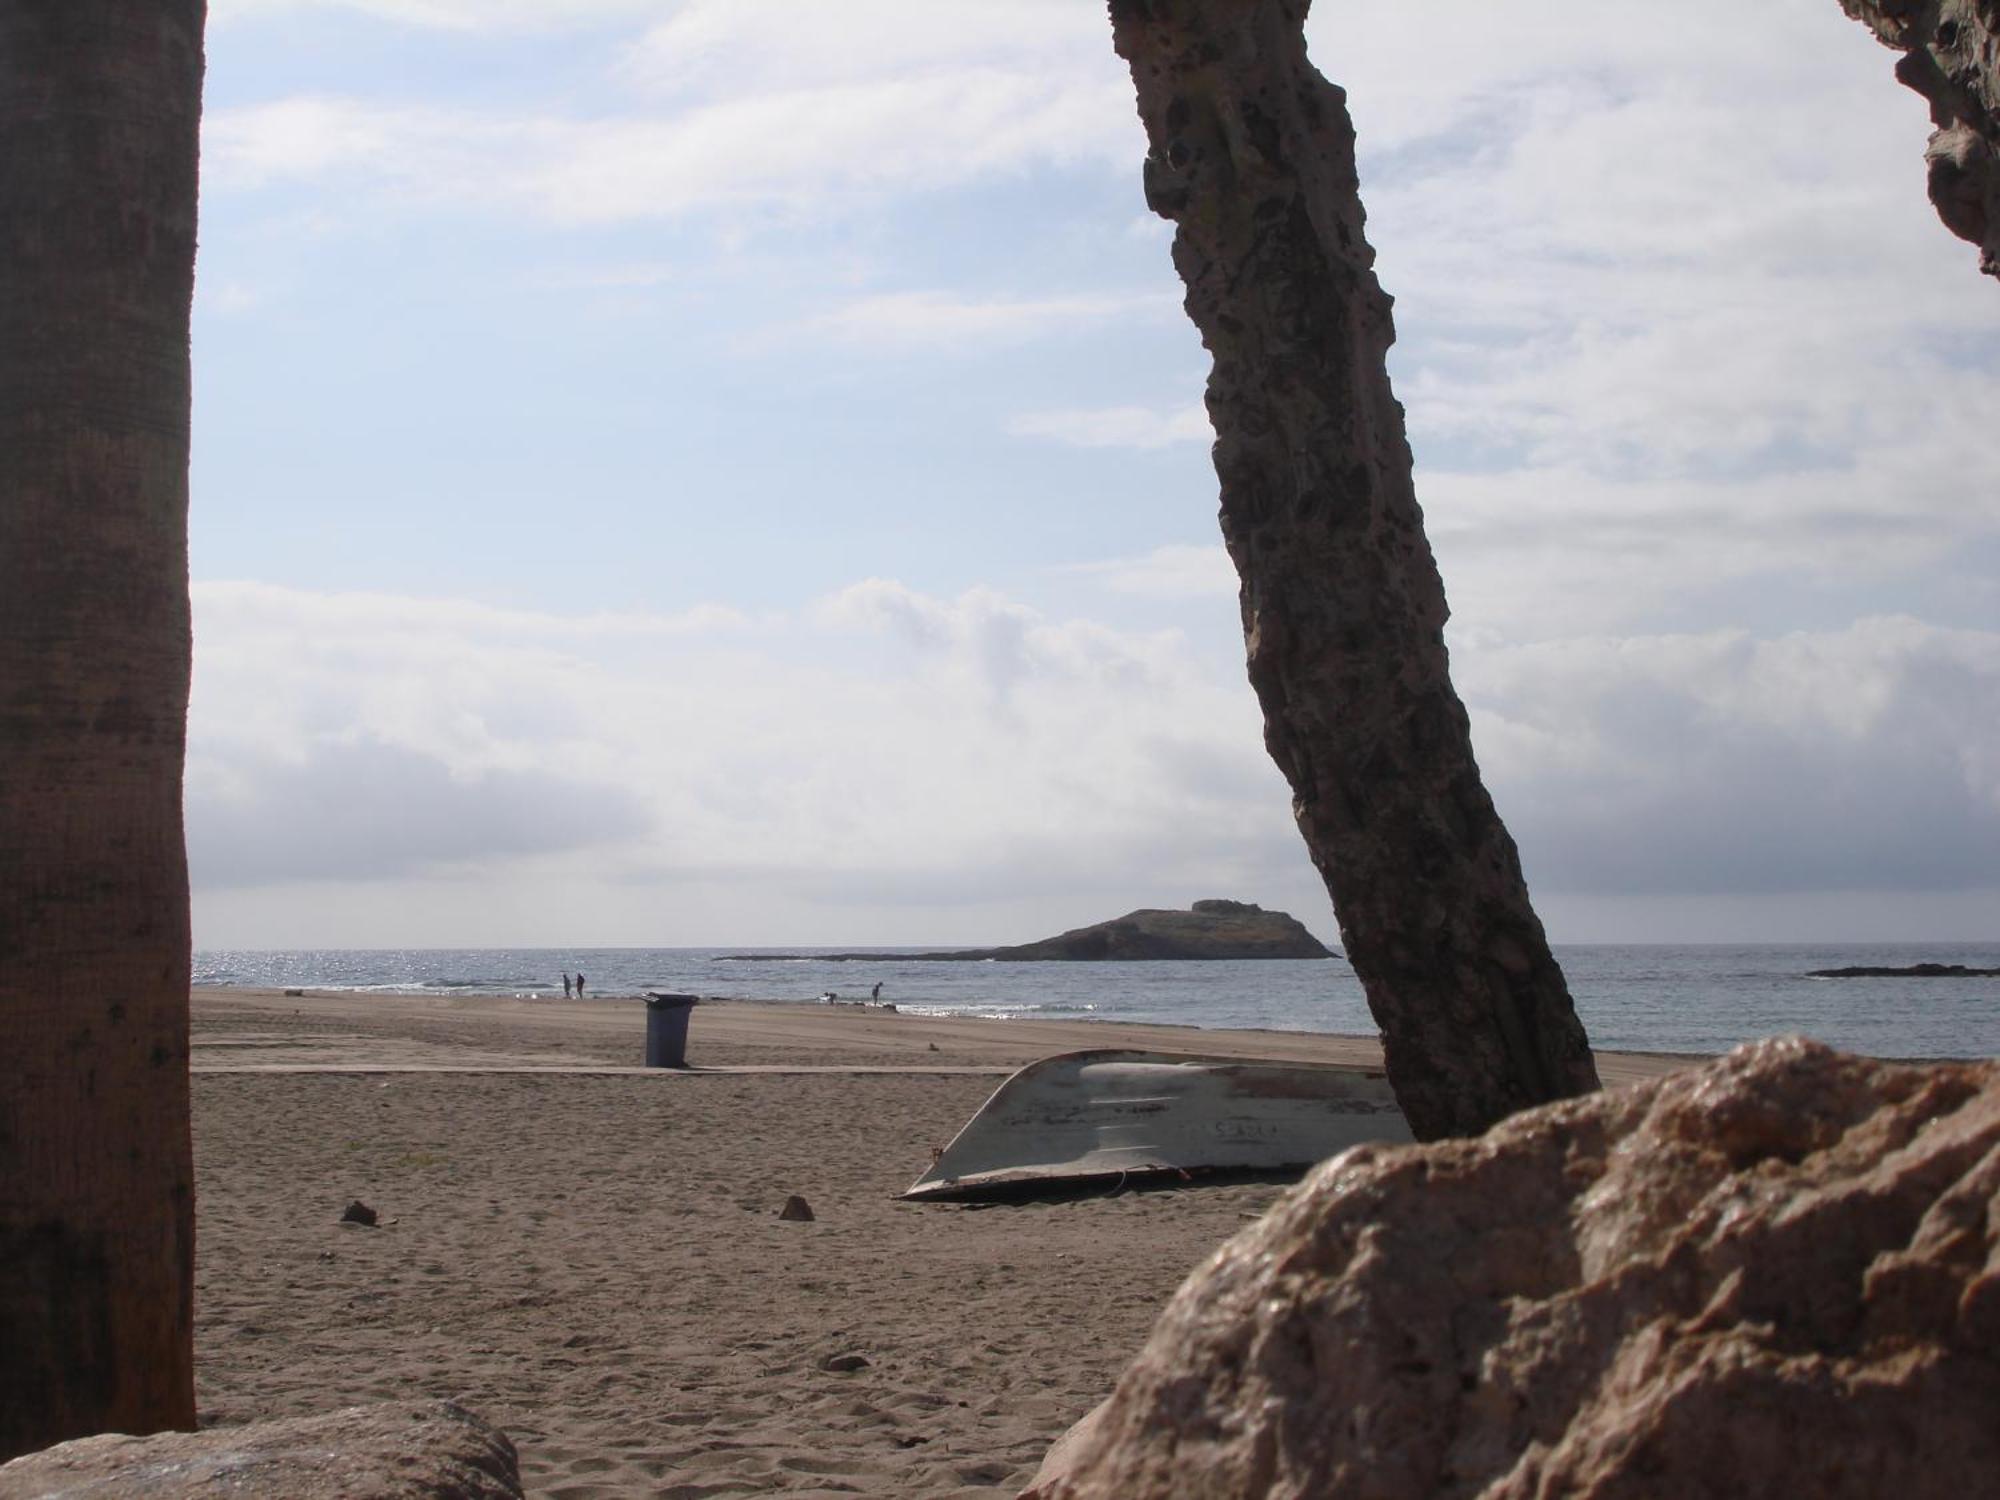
column 1252, row 156
column 1778, row 1274
column 1209, row 930
column 1904, row 971
column 1951, row 55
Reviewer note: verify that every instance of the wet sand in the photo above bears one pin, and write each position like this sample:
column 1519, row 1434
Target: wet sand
column 588, row 1253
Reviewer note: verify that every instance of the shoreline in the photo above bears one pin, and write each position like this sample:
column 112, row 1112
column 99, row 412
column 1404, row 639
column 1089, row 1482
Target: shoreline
column 503, row 1030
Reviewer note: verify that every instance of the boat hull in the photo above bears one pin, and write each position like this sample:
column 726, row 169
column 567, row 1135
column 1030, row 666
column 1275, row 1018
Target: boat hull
column 1112, row 1113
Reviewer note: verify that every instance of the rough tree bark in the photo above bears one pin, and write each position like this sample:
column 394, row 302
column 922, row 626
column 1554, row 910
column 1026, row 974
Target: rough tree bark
column 1951, row 55
column 99, row 106
column 1252, row 156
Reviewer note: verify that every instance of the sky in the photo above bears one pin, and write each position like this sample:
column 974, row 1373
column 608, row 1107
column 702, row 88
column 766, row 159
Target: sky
column 731, row 472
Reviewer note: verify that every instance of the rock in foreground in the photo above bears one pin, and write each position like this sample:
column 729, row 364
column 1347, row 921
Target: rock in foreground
column 1776, row 1274
column 434, row 1451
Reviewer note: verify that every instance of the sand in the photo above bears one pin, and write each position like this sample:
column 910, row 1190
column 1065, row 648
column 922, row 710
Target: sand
column 589, row 1254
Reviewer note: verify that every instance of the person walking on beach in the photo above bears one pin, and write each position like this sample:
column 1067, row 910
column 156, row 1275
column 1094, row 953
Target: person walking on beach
column 876, row 993
column 579, row 986
column 565, row 985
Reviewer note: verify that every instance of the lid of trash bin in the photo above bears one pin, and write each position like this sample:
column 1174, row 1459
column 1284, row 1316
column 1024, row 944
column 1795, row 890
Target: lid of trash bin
column 657, row 1001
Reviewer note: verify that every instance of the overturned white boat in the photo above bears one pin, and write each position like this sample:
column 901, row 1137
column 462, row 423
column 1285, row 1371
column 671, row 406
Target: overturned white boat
column 1111, row 1114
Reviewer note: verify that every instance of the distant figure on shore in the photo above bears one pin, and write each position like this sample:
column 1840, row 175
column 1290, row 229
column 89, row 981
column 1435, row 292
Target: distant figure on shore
column 579, row 986
column 876, row 993
column 565, row 986
column 829, row 997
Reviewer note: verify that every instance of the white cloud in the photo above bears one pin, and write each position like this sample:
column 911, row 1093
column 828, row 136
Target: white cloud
column 1421, row 84
column 450, row 15
column 758, row 104
column 741, row 152
column 970, row 749
column 230, row 298
column 997, row 645
column 1547, row 552
column 1173, row 572
column 1118, row 426
column 1851, row 759
column 307, row 137
column 620, row 276
column 381, row 619
column 936, row 320
column 713, row 44
column 356, row 808
column 1680, row 338
column 889, row 747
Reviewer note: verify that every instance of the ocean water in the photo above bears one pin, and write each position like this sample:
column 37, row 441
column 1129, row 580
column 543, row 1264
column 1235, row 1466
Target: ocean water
column 1645, row 998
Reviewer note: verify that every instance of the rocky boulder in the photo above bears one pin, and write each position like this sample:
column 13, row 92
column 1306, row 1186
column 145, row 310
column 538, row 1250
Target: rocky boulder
column 432, row 1451
column 1951, row 55
column 1777, row 1274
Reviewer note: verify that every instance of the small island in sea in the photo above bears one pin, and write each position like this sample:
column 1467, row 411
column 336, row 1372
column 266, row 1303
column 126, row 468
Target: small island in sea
column 1906, row 971
column 1213, row 929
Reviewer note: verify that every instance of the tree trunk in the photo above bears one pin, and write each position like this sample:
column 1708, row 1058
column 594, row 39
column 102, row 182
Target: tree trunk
column 99, row 107
column 1252, row 156
column 1951, row 55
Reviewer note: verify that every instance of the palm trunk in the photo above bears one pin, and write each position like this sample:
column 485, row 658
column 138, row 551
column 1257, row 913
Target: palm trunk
column 99, row 108
column 1252, row 156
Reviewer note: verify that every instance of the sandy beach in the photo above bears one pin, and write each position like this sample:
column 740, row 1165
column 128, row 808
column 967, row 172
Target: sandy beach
column 589, row 1253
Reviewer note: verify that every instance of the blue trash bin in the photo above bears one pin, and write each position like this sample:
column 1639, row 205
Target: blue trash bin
column 667, row 1029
